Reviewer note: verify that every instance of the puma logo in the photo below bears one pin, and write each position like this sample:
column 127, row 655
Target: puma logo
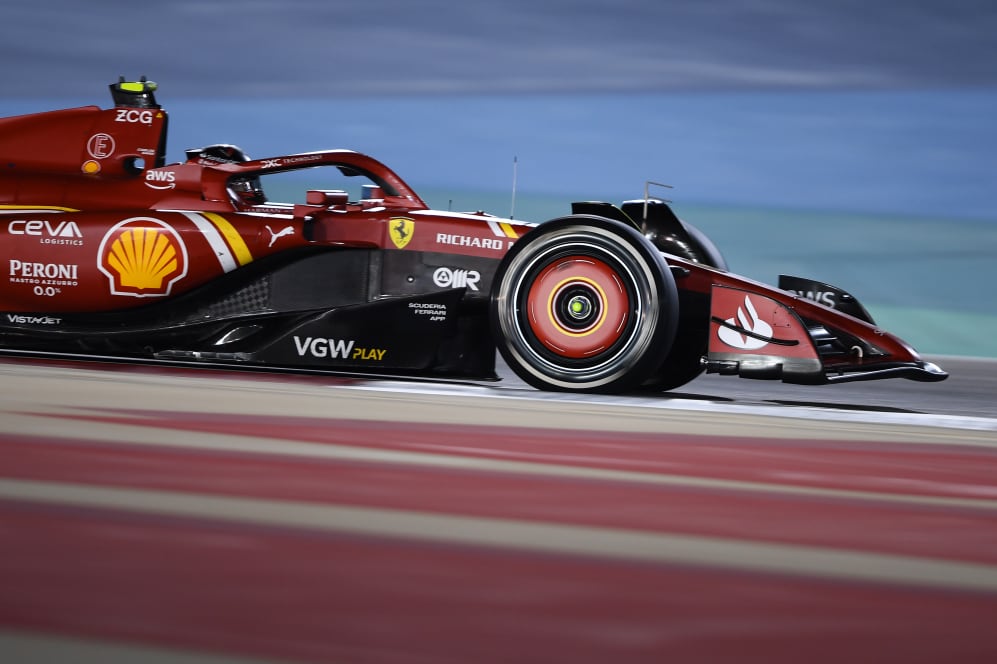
column 287, row 230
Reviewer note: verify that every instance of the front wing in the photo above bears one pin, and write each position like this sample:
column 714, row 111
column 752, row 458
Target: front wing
column 753, row 335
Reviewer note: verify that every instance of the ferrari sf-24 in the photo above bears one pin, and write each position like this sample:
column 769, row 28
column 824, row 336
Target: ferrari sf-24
column 328, row 261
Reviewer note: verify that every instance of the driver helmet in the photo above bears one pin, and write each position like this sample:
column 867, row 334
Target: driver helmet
column 249, row 190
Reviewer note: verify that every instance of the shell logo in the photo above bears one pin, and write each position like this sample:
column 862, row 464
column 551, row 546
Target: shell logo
column 142, row 257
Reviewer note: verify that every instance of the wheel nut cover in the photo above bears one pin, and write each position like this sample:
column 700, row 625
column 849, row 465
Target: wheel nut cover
column 578, row 307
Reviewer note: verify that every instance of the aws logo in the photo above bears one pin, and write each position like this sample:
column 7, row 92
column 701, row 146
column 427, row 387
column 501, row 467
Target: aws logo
column 142, row 257
column 156, row 179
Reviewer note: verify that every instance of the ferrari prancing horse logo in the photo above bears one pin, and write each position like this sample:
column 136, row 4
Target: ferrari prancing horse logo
column 400, row 229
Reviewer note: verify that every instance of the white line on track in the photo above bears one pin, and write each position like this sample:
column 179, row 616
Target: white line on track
column 55, row 389
column 813, row 413
column 140, row 436
column 552, row 538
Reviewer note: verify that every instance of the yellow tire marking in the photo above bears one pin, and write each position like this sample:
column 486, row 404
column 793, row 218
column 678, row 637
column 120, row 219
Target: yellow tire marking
column 561, row 328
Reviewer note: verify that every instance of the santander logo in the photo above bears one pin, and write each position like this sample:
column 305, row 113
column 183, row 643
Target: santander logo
column 747, row 319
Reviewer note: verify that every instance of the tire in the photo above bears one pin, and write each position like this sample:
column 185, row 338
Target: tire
column 684, row 362
column 583, row 304
column 682, row 365
column 709, row 253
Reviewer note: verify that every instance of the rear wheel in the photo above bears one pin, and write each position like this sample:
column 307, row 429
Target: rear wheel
column 583, row 303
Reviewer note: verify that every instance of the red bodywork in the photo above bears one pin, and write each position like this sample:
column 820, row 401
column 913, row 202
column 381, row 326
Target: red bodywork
column 64, row 211
column 95, row 221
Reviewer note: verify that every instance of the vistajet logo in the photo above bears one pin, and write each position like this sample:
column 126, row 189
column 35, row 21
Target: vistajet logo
column 21, row 319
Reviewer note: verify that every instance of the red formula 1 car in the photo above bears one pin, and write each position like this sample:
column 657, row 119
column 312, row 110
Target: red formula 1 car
column 111, row 252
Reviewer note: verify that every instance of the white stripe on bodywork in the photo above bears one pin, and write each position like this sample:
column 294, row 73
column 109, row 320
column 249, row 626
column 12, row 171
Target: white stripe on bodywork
column 496, row 229
column 215, row 239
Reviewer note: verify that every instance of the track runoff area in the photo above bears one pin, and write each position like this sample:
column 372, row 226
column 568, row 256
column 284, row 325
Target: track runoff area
column 188, row 515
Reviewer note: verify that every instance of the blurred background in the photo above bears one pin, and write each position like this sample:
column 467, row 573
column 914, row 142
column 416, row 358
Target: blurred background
column 847, row 141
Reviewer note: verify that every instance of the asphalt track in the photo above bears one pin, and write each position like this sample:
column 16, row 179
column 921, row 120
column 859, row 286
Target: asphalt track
column 174, row 515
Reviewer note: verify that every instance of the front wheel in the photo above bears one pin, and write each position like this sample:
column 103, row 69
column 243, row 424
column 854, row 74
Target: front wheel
column 584, row 304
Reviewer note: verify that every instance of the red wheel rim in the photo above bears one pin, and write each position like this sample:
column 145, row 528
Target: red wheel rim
column 578, row 307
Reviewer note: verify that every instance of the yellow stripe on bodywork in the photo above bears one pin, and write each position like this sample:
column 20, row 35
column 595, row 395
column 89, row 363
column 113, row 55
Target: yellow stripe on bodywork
column 232, row 237
column 509, row 230
column 36, row 208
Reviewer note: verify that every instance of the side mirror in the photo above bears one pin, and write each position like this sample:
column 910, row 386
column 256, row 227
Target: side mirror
column 327, row 198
